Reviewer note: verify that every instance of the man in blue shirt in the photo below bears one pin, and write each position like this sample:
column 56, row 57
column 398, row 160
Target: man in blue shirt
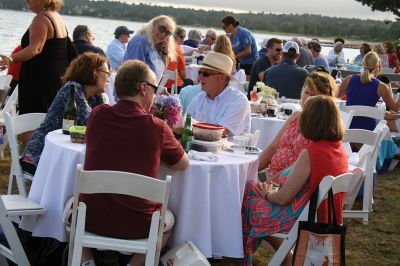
column 116, row 49
column 83, row 40
column 287, row 77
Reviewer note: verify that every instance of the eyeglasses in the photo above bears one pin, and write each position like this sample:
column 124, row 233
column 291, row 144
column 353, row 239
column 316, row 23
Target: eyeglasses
column 151, row 85
column 278, row 50
column 211, row 37
column 91, row 35
column 108, row 73
column 164, row 30
column 321, row 78
column 206, row 74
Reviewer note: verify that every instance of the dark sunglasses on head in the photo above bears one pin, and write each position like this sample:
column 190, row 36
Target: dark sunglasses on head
column 321, row 78
column 164, row 30
column 206, row 74
column 320, row 69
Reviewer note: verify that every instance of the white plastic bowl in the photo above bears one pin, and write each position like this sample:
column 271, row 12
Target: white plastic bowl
column 207, row 132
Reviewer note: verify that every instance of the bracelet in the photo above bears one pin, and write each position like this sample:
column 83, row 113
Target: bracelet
column 11, row 59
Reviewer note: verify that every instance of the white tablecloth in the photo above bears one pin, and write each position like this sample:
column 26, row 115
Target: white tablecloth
column 269, row 128
column 206, row 198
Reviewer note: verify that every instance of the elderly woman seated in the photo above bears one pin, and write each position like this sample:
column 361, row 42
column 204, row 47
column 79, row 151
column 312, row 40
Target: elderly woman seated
column 288, row 143
column 267, row 210
column 88, row 75
column 126, row 137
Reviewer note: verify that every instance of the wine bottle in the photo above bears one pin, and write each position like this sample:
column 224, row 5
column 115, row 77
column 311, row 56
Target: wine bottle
column 70, row 112
column 187, row 135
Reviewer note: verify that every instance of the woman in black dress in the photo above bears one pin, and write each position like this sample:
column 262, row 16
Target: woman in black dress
column 45, row 57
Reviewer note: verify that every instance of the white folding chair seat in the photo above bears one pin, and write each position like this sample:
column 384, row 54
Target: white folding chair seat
column 342, row 183
column 89, row 182
column 13, row 207
column 15, row 126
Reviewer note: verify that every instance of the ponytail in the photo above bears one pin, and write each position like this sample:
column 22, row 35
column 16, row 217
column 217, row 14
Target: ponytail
column 366, row 76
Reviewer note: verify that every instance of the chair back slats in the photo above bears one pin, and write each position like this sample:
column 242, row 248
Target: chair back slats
column 366, row 111
column 128, row 184
column 27, row 122
column 347, row 117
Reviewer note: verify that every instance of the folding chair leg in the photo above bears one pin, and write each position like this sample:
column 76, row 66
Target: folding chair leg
column 10, row 183
column 80, row 229
column 13, row 240
column 284, row 248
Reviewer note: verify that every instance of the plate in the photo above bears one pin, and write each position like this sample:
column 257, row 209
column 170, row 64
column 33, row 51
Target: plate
column 244, row 149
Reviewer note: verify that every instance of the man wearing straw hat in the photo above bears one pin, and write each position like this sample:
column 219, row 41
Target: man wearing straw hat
column 219, row 103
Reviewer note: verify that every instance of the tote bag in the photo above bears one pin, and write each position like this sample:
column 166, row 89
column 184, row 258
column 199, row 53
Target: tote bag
column 320, row 244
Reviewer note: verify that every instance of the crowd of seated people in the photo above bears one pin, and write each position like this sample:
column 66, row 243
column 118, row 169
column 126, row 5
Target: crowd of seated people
column 297, row 159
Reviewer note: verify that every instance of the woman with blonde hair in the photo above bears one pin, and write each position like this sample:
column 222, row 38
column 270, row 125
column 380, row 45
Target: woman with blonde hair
column 366, row 89
column 288, row 143
column 223, row 45
column 154, row 44
column 44, row 57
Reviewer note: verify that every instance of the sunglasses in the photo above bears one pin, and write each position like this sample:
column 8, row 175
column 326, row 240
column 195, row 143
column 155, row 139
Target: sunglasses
column 321, row 78
column 108, row 73
column 211, row 37
column 164, row 30
column 278, row 50
column 150, row 85
column 206, row 74
column 320, row 69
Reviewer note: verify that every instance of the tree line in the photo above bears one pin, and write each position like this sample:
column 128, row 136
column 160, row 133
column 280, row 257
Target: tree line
column 300, row 25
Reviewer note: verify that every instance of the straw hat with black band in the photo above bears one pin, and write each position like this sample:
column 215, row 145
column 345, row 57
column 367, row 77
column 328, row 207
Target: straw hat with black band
column 217, row 62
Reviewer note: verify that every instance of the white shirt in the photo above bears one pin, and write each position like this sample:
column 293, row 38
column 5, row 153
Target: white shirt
column 115, row 53
column 230, row 109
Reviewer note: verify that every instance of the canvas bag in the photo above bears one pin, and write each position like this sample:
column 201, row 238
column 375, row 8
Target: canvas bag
column 317, row 243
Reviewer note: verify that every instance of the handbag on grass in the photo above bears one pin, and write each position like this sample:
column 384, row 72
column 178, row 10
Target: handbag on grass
column 317, row 243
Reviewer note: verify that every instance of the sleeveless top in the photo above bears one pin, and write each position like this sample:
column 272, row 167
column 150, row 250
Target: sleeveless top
column 289, row 147
column 362, row 94
column 40, row 77
column 327, row 158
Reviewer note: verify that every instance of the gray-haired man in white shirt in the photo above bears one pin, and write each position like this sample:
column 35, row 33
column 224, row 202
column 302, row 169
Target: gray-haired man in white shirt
column 220, row 103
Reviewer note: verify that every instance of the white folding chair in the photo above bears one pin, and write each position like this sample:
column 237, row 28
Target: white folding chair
column 13, row 207
column 8, row 107
column 342, row 183
column 123, row 183
column 168, row 75
column 367, row 158
column 16, row 125
column 346, row 118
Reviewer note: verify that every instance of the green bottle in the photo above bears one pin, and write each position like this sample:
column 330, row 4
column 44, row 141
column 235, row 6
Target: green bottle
column 187, row 135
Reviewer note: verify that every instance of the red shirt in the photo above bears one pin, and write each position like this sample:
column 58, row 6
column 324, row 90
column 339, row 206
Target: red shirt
column 123, row 137
column 327, row 158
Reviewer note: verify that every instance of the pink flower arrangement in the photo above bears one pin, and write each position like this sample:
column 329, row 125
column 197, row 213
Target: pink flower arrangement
column 167, row 108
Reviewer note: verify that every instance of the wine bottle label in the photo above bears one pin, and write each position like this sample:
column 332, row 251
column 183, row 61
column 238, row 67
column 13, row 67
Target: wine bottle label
column 67, row 124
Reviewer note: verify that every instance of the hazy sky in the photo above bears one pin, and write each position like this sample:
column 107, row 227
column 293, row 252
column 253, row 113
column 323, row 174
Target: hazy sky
column 335, row 8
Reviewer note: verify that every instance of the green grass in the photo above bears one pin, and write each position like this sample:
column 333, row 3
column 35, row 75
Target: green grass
column 377, row 243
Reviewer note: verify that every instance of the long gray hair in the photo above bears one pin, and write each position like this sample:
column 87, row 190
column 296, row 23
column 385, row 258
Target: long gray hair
column 148, row 28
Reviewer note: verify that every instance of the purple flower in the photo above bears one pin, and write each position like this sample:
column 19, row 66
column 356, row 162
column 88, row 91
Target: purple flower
column 167, row 107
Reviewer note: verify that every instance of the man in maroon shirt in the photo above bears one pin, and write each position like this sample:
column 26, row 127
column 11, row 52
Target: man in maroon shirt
column 125, row 137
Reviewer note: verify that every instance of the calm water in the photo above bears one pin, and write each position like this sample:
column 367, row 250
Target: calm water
column 13, row 25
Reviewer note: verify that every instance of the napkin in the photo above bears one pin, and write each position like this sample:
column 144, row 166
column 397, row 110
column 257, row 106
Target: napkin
column 202, row 156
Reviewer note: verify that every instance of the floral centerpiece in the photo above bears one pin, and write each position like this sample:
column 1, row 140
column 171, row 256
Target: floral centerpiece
column 266, row 94
column 167, row 108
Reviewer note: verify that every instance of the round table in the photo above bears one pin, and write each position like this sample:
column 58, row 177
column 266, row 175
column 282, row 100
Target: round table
column 206, row 198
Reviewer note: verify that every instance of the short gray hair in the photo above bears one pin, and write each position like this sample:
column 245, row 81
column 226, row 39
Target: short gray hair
column 194, row 34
